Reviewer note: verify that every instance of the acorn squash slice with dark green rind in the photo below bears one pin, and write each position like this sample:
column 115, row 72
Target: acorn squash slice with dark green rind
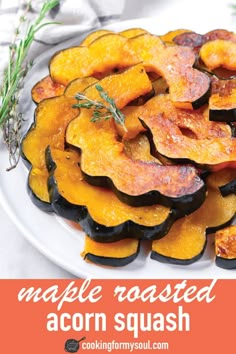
column 225, row 247
column 99, row 212
column 114, row 254
column 104, row 162
column 219, row 53
column 189, row 88
column 51, row 119
column 213, row 153
column 222, row 102
column 225, row 180
column 196, row 40
column 195, row 123
column 46, row 88
column 186, row 241
column 223, row 107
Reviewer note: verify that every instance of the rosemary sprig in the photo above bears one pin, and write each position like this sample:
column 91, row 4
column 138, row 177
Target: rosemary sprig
column 13, row 77
column 100, row 110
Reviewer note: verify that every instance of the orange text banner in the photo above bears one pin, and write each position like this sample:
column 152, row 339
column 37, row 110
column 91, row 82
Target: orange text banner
column 120, row 316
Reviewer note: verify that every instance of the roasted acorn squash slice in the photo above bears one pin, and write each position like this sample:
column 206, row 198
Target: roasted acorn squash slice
column 219, row 53
column 188, row 87
column 224, row 180
column 46, row 88
column 100, row 213
column 223, row 107
column 225, row 247
column 104, row 162
column 222, row 103
column 169, row 36
column 213, row 153
column 51, row 119
column 186, row 240
column 193, row 123
column 115, row 254
column 196, row 40
column 129, row 33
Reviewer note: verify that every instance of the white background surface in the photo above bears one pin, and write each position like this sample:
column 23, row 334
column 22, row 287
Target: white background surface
column 18, row 259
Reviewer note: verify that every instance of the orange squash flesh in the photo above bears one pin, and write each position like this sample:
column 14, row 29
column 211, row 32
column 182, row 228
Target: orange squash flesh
column 225, row 242
column 51, row 119
column 196, row 40
column 225, row 247
column 187, row 85
column 69, row 64
column 186, row 240
column 46, row 88
column 213, row 153
column 222, row 102
column 139, row 149
column 103, row 155
column 101, row 214
column 129, row 33
column 219, row 53
column 169, row 36
column 184, row 244
column 93, row 36
column 222, row 177
column 196, row 121
column 218, row 102
column 115, row 254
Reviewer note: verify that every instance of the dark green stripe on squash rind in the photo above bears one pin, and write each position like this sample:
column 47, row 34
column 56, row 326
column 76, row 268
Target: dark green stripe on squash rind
column 183, row 205
column 225, row 263
column 41, row 204
column 166, row 259
column 112, row 261
column 202, row 100
column 223, row 115
column 228, row 188
column 98, row 232
column 212, row 230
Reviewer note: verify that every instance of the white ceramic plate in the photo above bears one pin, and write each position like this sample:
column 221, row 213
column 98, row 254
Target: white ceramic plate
column 52, row 235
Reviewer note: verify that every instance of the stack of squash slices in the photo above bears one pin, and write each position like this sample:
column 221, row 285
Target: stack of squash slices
column 169, row 176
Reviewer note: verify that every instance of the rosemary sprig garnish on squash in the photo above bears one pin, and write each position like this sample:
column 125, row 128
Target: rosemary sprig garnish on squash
column 13, row 77
column 100, row 110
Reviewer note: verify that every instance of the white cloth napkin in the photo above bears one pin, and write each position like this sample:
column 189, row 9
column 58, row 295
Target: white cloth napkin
column 76, row 18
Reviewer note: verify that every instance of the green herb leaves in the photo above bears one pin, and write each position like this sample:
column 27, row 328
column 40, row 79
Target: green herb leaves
column 100, row 110
column 14, row 74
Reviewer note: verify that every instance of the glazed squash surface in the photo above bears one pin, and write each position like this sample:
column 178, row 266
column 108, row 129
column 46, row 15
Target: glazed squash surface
column 101, row 214
column 115, row 254
column 196, row 40
column 104, row 161
column 46, row 88
column 219, row 53
column 127, row 183
column 186, row 240
column 222, row 102
column 188, row 87
column 212, row 153
column 194, row 123
column 225, row 247
column 51, row 119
